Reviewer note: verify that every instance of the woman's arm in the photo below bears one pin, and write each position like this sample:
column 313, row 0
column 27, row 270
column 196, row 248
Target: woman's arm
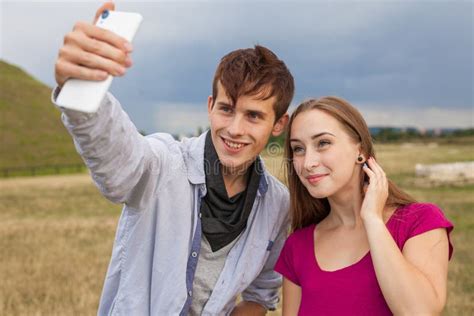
column 291, row 298
column 414, row 281
column 246, row 308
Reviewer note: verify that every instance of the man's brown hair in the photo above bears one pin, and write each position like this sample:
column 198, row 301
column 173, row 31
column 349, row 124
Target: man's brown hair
column 255, row 72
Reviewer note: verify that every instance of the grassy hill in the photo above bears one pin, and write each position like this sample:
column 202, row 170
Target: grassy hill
column 31, row 132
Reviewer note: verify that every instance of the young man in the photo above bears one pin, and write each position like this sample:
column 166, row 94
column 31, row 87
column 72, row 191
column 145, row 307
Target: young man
column 202, row 220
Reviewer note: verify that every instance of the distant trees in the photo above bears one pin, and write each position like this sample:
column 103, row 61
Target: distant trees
column 389, row 134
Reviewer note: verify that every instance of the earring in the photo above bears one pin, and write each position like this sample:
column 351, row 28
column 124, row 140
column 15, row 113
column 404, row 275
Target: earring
column 360, row 159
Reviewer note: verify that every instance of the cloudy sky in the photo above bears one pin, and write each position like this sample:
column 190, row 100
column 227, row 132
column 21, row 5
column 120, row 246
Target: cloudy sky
column 402, row 63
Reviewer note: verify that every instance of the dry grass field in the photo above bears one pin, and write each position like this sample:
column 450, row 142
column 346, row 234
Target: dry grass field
column 56, row 234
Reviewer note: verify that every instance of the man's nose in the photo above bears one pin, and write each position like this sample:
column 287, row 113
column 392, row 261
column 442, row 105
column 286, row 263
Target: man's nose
column 236, row 127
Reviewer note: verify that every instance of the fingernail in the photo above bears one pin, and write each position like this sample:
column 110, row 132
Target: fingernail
column 128, row 47
column 128, row 61
column 120, row 70
column 103, row 75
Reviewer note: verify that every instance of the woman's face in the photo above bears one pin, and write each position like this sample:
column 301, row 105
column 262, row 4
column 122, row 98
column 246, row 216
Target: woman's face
column 324, row 156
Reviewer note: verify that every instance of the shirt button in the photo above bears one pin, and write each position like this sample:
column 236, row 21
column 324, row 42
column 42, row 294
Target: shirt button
column 190, row 293
column 200, row 215
column 194, row 254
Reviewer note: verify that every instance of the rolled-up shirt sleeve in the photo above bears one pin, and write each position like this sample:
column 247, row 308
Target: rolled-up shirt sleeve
column 266, row 287
column 125, row 165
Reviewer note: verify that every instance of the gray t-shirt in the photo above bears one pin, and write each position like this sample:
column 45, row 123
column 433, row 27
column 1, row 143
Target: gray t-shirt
column 209, row 267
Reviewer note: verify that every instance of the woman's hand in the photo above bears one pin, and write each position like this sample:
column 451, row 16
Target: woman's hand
column 376, row 192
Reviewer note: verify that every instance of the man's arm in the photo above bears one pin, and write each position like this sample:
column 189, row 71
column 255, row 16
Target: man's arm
column 123, row 164
column 126, row 166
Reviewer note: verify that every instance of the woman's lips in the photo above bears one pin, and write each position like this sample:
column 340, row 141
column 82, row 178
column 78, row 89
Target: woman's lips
column 315, row 178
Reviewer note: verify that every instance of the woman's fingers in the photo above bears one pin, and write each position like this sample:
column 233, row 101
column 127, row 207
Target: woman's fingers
column 379, row 173
column 365, row 187
column 368, row 171
column 375, row 167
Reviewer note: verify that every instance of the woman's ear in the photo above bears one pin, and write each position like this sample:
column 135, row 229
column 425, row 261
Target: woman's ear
column 361, row 158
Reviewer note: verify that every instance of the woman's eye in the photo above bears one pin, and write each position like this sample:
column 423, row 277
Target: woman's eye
column 298, row 150
column 323, row 143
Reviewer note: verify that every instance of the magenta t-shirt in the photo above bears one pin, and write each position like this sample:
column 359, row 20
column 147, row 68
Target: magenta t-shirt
column 352, row 290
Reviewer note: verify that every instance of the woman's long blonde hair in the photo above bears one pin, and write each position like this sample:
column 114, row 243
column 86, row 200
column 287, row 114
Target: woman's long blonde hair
column 305, row 209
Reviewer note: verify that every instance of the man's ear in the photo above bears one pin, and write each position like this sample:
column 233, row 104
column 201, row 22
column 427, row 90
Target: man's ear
column 280, row 125
column 210, row 103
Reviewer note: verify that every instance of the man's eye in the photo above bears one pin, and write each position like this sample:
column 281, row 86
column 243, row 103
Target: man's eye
column 226, row 109
column 254, row 116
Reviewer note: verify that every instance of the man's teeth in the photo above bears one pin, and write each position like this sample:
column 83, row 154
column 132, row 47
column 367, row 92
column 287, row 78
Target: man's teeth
column 233, row 145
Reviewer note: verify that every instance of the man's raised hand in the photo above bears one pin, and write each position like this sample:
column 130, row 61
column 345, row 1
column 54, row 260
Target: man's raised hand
column 91, row 53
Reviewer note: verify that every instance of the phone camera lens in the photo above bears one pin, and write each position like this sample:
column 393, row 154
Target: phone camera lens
column 105, row 14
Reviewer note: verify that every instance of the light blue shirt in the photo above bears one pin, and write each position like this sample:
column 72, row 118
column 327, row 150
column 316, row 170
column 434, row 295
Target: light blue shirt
column 161, row 182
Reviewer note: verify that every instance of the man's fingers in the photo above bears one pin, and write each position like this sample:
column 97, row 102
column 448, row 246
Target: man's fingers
column 102, row 49
column 104, row 35
column 93, row 61
column 70, row 70
column 106, row 6
column 91, row 52
column 97, row 41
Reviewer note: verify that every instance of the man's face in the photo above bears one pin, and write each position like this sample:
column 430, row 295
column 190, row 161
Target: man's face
column 240, row 131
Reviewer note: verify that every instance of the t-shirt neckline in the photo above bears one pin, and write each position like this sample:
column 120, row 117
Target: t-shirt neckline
column 357, row 262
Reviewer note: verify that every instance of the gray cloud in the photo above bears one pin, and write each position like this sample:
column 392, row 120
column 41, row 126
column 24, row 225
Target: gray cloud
column 398, row 55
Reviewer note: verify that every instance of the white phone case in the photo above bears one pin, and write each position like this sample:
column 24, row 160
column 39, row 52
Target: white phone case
column 85, row 95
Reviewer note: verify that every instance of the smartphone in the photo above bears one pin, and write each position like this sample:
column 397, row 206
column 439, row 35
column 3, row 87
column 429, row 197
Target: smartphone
column 86, row 95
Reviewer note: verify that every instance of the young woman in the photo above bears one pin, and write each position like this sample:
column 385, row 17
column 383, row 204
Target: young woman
column 360, row 245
